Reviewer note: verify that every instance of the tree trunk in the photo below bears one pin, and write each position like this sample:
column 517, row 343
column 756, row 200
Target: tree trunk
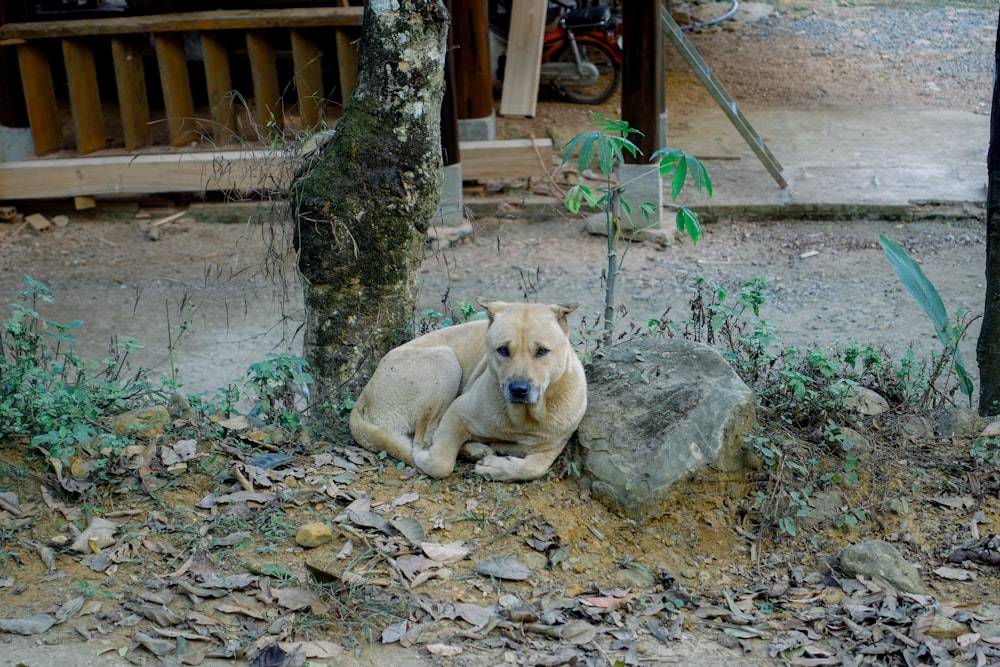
column 988, row 348
column 363, row 204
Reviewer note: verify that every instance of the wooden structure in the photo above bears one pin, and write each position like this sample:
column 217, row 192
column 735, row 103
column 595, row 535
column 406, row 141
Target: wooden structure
column 198, row 99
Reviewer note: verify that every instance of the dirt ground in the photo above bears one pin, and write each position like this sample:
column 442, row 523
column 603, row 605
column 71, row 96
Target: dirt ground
column 207, row 288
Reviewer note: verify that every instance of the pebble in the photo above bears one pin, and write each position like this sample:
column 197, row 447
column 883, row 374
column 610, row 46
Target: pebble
column 311, row 535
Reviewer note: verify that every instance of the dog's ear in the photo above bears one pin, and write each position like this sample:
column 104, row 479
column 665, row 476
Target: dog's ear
column 561, row 311
column 564, row 309
column 492, row 306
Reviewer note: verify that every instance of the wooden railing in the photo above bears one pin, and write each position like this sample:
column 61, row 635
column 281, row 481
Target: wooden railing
column 320, row 40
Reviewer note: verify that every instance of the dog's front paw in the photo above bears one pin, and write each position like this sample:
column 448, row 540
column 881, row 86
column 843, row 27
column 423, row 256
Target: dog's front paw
column 476, row 451
column 498, row 468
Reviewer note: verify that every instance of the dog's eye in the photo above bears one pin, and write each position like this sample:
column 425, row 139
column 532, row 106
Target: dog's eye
column 503, row 351
column 541, row 352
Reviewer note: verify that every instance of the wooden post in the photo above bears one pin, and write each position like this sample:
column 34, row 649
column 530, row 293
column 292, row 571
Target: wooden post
column 176, row 87
column 130, row 80
column 643, row 74
column 473, row 79
column 266, row 89
column 84, row 95
column 219, row 82
column 40, row 98
column 307, row 60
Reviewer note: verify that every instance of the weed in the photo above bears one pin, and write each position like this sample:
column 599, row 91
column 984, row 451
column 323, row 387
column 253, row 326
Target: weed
column 49, row 394
column 277, row 382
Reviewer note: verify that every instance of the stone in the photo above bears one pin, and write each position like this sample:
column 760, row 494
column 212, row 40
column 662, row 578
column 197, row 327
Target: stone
column 958, row 422
column 142, row 422
column 943, row 628
column 661, row 412
column 873, row 558
column 865, row 401
column 38, row 222
column 312, row 535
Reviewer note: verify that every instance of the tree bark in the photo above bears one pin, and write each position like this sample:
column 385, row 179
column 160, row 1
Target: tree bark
column 988, row 347
column 363, row 204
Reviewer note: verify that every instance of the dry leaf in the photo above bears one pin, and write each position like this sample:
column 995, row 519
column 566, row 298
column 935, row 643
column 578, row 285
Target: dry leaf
column 227, row 608
column 317, row 649
column 451, row 552
column 444, row 650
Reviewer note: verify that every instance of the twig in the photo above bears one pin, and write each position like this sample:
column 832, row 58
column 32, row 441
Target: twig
column 545, row 168
column 10, row 235
column 169, row 218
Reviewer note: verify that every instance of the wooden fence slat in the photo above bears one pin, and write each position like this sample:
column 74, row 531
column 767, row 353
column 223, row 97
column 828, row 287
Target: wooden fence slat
column 176, row 87
column 40, row 98
column 306, row 58
column 266, row 90
column 84, row 95
column 220, row 87
column 130, row 79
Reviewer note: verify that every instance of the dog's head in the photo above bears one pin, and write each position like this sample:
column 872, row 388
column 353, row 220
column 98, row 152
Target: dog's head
column 527, row 347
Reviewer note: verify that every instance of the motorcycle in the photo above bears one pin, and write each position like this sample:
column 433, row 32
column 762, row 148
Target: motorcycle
column 581, row 50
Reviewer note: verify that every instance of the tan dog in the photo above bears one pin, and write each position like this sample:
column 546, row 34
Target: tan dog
column 507, row 392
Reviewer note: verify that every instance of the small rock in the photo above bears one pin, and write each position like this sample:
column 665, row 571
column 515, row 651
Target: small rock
column 958, row 422
column 879, row 558
column 943, row 627
column 143, row 422
column 865, row 401
column 916, row 428
column 312, row 535
column 60, row 221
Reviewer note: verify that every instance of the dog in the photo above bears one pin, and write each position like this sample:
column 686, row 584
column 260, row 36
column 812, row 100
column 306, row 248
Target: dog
column 506, row 392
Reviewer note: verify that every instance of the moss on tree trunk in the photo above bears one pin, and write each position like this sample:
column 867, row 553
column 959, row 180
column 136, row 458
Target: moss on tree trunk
column 363, row 205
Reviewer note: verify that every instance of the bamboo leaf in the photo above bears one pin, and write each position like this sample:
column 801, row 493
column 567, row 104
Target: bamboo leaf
column 927, row 297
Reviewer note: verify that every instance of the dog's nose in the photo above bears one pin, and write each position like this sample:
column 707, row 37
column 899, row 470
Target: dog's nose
column 518, row 391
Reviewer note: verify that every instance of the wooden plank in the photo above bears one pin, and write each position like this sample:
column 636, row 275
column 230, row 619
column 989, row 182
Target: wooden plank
column 84, row 95
column 219, row 80
column 245, row 19
column 227, row 171
column 643, row 77
column 266, row 89
column 307, row 60
column 524, row 58
column 130, row 80
column 40, row 98
column 176, row 88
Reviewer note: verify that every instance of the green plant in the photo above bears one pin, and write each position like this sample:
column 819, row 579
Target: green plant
column 927, row 297
column 48, row 393
column 609, row 142
column 276, row 382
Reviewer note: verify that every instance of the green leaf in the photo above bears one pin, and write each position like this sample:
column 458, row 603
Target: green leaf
column 687, row 222
column 927, row 297
column 680, row 174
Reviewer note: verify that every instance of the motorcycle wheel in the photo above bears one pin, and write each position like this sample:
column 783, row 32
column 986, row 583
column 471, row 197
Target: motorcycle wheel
column 608, row 81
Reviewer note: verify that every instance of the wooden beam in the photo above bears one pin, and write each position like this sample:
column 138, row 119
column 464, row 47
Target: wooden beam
column 84, row 95
column 176, row 86
column 130, row 80
column 524, row 58
column 228, row 171
column 40, row 98
column 266, row 89
column 219, row 82
column 244, row 19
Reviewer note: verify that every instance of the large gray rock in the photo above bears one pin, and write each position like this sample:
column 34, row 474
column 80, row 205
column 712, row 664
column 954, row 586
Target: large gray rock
column 878, row 558
column 658, row 411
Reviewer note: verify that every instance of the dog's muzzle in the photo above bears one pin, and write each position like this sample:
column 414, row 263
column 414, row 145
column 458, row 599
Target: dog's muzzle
column 520, row 391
